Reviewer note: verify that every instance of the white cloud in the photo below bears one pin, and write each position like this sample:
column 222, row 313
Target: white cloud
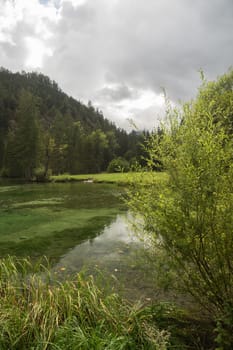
column 138, row 108
column 9, row 18
column 26, row 26
column 75, row 3
column 37, row 52
column 119, row 53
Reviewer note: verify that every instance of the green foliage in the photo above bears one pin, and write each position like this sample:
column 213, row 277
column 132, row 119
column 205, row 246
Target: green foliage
column 118, row 165
column 217, row 97
column 185, row 329
column 95, row 145
column 75, row 149
column 23, row 147
column 190, row 218
column 41, row 174
column 74, row 138
column 41, row 313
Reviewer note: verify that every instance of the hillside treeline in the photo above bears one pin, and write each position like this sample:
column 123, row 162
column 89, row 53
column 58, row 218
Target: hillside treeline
column 43, row 130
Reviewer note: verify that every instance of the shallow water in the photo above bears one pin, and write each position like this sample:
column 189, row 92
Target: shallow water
column 76, row 226
column 49, row 219
column 118, row 253
column 111, row 250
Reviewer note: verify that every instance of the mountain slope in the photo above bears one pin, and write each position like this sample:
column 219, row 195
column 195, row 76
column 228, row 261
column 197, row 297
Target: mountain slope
column 72, row 137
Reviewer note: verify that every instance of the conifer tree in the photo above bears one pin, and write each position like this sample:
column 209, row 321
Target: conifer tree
column 23, row 142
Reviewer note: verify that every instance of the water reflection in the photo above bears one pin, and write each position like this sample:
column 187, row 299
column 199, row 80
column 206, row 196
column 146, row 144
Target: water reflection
column 118, row 252
column 116, row 241
column 75, row 225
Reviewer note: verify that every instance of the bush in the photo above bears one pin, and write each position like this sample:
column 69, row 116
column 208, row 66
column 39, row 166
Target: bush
column 4, row 172
column 118, row 165
column 41, row 175
column 190, row 218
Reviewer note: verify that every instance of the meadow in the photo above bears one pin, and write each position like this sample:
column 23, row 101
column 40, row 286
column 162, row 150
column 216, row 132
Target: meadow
column 116, row 178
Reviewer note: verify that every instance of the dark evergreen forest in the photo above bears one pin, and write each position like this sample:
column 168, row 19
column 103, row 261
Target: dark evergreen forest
column 44, row 131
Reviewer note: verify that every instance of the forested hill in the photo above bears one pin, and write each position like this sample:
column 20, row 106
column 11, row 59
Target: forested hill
column 42, row 129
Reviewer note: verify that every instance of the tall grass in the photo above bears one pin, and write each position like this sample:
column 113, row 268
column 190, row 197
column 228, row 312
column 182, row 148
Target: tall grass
column 38, row 313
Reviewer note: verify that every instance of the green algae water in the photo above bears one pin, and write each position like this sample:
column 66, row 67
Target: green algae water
column 76, row 226
column 49, row 219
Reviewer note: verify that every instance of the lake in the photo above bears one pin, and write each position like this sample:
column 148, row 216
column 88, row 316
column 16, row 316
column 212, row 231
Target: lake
column 77, row 226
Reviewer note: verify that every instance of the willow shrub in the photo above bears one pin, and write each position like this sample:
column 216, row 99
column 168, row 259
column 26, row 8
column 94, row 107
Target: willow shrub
column 189, row 218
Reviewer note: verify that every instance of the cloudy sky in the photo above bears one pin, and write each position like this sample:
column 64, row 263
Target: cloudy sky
column 120, row 53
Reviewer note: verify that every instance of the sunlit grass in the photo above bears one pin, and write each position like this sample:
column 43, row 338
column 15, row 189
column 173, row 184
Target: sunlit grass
column 119, row 178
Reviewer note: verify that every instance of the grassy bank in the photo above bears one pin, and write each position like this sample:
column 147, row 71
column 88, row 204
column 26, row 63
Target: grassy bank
column 40, row 313
column 118, row 178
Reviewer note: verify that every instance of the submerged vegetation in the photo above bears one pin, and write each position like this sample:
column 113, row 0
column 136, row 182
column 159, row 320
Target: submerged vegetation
column 48, row 219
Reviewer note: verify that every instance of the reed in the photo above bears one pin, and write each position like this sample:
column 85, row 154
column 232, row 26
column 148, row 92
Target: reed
column 38, row 312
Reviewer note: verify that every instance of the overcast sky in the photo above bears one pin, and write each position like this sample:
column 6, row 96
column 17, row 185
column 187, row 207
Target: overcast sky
column 120, row 53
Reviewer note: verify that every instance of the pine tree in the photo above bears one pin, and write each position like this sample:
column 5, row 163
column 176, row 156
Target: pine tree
column 23, row 148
